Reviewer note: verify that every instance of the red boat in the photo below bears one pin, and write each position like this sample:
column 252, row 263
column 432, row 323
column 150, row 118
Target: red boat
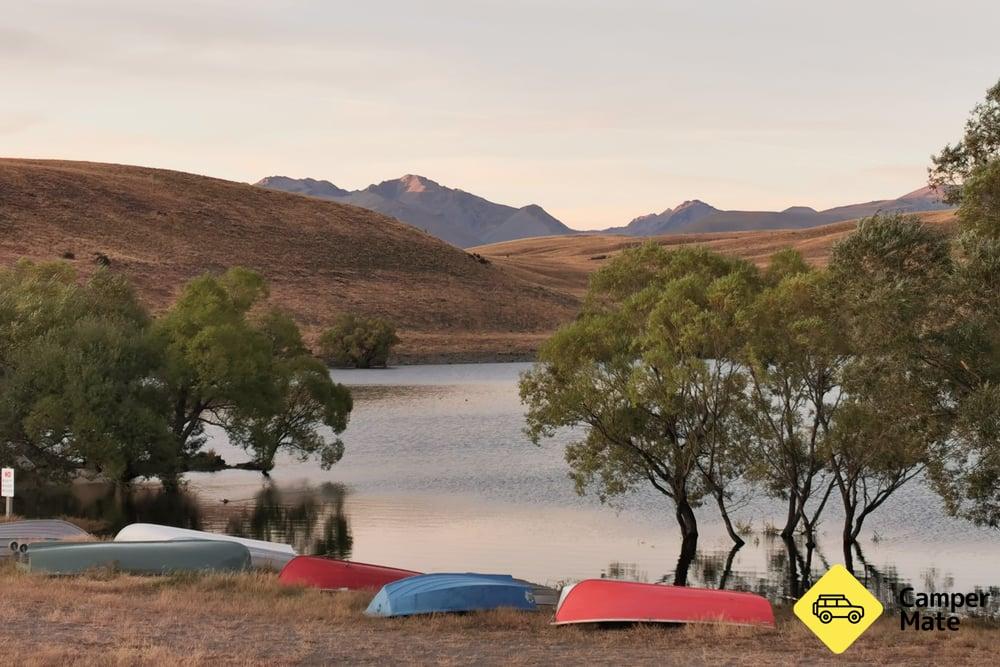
column 333, row 575
column 613, row 601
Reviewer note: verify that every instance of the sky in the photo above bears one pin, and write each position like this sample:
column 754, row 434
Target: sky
column 597, row 111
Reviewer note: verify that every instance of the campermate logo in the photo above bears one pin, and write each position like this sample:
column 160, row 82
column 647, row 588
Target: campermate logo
column 936, row 611
column 838, row 609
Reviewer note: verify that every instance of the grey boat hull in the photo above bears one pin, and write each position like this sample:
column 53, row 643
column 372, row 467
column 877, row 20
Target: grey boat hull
column 145, row 558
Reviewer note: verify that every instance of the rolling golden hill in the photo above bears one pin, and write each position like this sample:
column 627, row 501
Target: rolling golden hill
column 161, row 228
column 564, row 262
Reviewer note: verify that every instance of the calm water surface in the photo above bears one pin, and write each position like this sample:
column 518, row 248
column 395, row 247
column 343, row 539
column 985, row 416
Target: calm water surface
column 438, row 475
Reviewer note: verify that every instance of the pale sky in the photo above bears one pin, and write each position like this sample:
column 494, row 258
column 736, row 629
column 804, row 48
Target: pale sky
column 597, row 111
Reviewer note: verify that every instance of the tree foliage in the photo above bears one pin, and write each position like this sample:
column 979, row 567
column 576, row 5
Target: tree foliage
column 978, row 148
column 89, row 381
column 74, row 371
column 967, row 474
column 894, row 276
column 644, row 369
column 794, row 358
column 306, row 400
column 362, row 342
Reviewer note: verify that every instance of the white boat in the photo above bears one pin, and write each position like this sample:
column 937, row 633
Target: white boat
column 15, row 535
column 269, row 555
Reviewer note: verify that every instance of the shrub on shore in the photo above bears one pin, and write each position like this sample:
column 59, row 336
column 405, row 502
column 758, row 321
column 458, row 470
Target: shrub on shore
column 361, row 342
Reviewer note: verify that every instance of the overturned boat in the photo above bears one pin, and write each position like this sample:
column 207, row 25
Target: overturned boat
column 613, row 601
column 332, row 574
column 17, row 535
column 143, row 558
column 266, row 555
column 451, row 593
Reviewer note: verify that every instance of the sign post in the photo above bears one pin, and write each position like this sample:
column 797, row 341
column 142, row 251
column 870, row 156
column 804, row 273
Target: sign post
column 7, row 486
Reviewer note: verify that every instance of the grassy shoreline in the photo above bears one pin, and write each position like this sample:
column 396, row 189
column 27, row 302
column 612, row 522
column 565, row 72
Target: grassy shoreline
column 252, row 619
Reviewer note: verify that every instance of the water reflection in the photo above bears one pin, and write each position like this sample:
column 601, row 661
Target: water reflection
column 327, row 519
column 313, row 521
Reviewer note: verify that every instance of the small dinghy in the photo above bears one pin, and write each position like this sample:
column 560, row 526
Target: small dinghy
column 137, row 557
column 267, row 555
column 451, row 593
column 16, row 535
column 333, row 575
column 613, row 601
column 544, row 596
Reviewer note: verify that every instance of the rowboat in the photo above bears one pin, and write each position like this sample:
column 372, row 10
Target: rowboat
column 267, row 555
column 450, row 593
column 612, row 601
column 332, row 574
column 16, row 535
column 136, row 557
column 544, row 596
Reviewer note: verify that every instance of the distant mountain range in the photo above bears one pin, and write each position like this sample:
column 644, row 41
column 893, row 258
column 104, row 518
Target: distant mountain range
column 697, row 216
column 458, row 217
column 467, row 220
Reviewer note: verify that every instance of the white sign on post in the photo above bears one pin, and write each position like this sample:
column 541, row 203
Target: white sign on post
column 7, row 483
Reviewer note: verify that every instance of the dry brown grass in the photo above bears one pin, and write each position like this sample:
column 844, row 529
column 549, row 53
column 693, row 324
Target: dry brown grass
column 564, row 262
column 163, row 228
column 251, row 619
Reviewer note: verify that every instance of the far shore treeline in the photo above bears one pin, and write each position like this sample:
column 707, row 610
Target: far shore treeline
column 706, row 378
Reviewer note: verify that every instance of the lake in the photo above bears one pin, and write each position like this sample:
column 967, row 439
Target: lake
column 437, row 475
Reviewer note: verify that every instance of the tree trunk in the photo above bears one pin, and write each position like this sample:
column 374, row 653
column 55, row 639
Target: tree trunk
column 689, row 540
column 727, row 571
column 721, row 500
column 687, row 521
column 788, row 532
column 849, row 535
column 689, row 547
column 796, row 583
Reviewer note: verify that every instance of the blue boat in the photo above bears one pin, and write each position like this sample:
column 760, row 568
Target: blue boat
column 451, row 593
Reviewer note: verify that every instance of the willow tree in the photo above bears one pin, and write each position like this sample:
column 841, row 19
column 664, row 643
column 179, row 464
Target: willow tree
column 309, row 410
column 75, row 363
column 645, row 371
column 794, row 358
column 968, row 474
column 894, row 277
column 249, row 376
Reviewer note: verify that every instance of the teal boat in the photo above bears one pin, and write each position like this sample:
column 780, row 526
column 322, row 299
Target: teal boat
column 137, row 557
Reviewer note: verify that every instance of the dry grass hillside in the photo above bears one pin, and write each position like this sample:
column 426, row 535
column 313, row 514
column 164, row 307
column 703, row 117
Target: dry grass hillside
column 162, row 228
column 564, row 262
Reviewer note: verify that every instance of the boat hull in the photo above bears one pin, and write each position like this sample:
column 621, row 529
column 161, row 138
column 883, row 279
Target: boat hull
column 612, row 601
column 144, row 558
column 450, row 593
column 265, row 555
column 16, row 535
column 332, row 574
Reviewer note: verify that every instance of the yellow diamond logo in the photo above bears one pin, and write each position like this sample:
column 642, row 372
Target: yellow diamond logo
column 838, row 609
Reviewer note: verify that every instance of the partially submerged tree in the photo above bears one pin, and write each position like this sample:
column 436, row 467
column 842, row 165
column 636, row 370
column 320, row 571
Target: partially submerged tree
column 362, row 342
column 794, row 359
column 308, row 403
column 967, row 474
column 645, row 370
column 251, row 378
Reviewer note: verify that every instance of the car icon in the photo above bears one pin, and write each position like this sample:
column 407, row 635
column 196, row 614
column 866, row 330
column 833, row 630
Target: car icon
column 828, row 607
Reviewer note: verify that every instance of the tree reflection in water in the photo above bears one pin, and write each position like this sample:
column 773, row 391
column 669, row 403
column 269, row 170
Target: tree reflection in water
column 312, row 520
